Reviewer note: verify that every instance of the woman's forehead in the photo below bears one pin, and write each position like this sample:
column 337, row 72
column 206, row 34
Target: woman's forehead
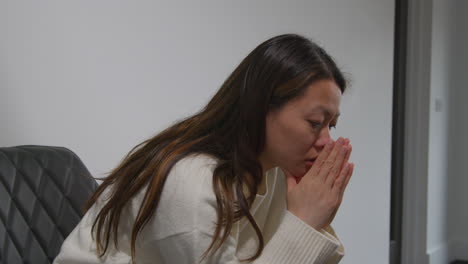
column 322, row 96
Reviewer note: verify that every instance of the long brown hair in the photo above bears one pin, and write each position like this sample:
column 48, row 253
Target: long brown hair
column 231, row 127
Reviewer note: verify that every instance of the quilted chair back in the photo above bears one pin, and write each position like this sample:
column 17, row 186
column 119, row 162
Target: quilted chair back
column 42, row 192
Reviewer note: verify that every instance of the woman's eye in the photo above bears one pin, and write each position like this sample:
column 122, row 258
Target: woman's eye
column 315, row 124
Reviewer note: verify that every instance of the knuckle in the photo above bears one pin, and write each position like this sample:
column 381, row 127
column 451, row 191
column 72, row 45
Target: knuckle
column 334, row 170
column 339, row 183
column 320, row 162
column 328, row 163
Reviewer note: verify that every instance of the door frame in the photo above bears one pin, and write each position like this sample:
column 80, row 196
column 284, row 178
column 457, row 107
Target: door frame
column 416, row 133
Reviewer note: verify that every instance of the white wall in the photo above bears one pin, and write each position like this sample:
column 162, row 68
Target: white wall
column 100, row 76
column 447, row 228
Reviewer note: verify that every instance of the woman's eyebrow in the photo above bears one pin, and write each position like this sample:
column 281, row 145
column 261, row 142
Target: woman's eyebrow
column 326, row 111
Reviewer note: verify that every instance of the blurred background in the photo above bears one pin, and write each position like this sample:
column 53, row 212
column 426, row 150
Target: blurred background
column 99, row 77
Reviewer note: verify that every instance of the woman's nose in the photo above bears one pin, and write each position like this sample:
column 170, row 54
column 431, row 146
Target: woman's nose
column 324, row 137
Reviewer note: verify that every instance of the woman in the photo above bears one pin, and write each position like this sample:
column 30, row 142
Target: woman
column 253, row 177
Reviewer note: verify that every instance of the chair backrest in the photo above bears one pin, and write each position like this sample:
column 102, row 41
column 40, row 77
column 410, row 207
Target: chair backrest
column 42, row 192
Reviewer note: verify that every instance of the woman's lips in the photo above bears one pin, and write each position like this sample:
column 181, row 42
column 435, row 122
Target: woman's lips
column 309, row 163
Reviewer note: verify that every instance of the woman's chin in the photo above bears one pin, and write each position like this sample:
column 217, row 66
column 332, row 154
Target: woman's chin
column 299, row 174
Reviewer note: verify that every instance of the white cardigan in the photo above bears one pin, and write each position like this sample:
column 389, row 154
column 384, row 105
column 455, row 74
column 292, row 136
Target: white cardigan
column 184, row 222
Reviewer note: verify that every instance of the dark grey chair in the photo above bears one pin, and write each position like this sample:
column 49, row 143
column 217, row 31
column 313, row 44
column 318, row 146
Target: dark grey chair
column 42, row 192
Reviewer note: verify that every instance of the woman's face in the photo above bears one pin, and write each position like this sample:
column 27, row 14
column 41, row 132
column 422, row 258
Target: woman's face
column 297, row 132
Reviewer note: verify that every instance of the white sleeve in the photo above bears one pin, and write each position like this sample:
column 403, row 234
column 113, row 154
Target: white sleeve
column 293, row 242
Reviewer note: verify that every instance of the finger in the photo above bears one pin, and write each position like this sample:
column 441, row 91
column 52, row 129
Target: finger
column 350, row 149
column 349, row 152
column 351, row 170
column 341, row 189
column 348, row 177
column 331, row 163
column 336, row 169
column 341, row 180
column 322, row 158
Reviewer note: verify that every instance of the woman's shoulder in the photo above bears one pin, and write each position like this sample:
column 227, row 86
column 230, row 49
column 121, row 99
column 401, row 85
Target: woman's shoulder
column 184, row 197
column 196, row 160
column 191, row 171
